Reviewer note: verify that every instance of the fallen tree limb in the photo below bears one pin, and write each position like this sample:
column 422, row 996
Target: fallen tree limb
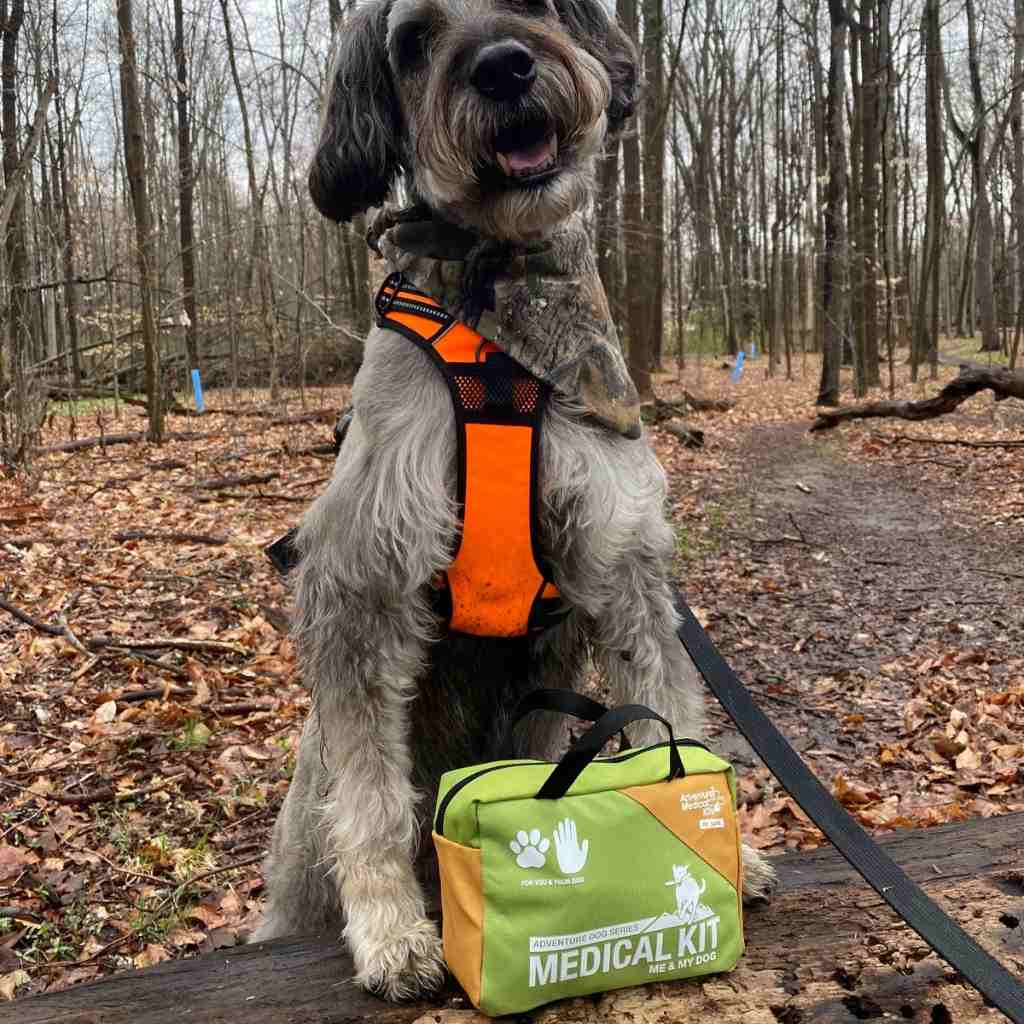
column 900, row 438
column 661, row 410
column 1000, row 381
column 258, row 496
column 104, row 441
column 315, row 416
column 175, row 643
column 23, row 616
column 708, row 404
column 224, row 482
column 120, row 643
column 690, row 436
column 214, row 539
column 827, row 949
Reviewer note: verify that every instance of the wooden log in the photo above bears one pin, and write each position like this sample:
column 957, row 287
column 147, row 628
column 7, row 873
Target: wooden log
column 826, row 951
column 1001, row 382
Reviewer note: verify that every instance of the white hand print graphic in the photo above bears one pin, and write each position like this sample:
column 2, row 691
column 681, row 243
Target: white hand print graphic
column 571, row 855
column 529, row 849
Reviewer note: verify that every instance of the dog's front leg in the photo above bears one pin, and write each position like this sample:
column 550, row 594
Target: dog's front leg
column 371, row 544
column 372, row 827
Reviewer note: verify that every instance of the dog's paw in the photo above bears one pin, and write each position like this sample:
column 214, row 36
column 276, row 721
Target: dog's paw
column 759, row 878
column 409, row 965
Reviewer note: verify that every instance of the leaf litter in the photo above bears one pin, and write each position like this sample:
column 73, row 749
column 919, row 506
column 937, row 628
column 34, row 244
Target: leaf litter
column 862, row 586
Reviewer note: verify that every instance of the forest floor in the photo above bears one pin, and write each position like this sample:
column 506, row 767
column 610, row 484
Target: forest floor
column 865, row 585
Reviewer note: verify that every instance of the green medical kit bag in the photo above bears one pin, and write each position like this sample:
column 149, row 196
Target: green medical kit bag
column 591, row 874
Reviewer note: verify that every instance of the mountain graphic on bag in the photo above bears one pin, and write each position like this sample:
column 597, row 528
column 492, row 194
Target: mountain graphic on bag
column 592, row 874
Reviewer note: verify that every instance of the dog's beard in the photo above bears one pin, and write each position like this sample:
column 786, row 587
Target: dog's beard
column 469, row 166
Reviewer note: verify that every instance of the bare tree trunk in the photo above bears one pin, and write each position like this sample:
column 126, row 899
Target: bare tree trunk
column 12, row 229
column 1017, row 132
column 260, row 250
column 871, row 159
column 834, row 262
column 67, row 226
column 976, row 142
column 636, row 249
column 926, row 325
column 654, row 177
column 186, row 188
column 135, row 166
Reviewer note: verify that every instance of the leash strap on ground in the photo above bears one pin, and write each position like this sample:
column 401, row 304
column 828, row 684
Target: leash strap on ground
column 886, row 877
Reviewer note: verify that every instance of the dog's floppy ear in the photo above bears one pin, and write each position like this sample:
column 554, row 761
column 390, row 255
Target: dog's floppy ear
column 602, row 37
column 357, row 157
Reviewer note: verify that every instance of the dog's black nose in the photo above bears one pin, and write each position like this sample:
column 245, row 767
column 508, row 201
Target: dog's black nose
column 503, row 71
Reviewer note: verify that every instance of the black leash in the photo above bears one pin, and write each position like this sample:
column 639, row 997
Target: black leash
column 886, row 877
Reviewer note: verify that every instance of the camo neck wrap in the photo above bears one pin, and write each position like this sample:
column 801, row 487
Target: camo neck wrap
column 543, row 303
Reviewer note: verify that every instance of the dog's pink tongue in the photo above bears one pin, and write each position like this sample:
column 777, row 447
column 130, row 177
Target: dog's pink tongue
column 519, row 161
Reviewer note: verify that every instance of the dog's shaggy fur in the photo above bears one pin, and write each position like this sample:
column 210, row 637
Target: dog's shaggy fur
column 396, row 704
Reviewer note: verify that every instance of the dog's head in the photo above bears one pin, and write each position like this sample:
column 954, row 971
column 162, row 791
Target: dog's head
column 494, row 108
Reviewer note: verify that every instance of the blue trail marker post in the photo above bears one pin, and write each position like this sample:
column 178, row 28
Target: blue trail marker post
column 736, row 373
column 197, row 390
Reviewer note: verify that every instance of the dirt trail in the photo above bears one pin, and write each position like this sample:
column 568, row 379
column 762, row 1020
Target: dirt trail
column 836, row 568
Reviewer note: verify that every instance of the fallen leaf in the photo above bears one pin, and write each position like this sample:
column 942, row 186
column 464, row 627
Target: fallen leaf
column 10, row 982
column 14, row 860
column 106, row 712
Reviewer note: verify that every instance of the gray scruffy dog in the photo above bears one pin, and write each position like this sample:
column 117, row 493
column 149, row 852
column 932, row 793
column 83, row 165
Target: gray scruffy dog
column 494, row 111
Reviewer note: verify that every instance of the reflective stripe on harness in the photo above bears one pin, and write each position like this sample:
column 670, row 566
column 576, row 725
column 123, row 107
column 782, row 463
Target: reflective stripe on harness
column 497, row 584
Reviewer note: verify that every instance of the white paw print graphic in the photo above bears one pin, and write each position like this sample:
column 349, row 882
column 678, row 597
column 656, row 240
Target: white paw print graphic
column 529, row 849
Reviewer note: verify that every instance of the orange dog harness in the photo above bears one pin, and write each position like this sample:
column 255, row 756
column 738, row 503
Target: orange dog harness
column 498, row 584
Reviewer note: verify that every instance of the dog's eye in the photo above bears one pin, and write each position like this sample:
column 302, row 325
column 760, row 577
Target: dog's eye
column 409, row 46
column 536, row 6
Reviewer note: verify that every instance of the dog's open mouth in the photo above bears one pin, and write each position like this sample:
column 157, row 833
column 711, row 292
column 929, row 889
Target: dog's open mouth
column 526, row 153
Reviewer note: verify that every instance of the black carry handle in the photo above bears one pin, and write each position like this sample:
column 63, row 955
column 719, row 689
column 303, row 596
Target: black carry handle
column 589, row 745
column 565, row 702
column 874, row 865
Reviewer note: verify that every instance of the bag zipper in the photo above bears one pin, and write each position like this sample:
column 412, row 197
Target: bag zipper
column 449, row 796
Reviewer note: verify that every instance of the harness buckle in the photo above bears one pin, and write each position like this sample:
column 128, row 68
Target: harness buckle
column 384, row 301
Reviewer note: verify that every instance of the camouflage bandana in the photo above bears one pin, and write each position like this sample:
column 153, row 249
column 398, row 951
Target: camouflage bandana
column 542, row 303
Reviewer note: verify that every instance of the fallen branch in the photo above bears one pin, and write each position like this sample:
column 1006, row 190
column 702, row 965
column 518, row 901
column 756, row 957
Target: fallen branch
column 21, row 616
column 960, row 442
column 708, row 404
column 107, row 440
column 258, row 496
column 327, row 448
column 117, row 643
column 691, row 437
column 316, row 416
column 27, row 542
column 174, row 643
column 96, row 796
column 153, row 693
column 215, row 540
column 1001, row 382
column 222, row 483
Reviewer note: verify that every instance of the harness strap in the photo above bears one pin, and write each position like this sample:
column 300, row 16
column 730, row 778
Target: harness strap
column 498, row 583
column 874, row 865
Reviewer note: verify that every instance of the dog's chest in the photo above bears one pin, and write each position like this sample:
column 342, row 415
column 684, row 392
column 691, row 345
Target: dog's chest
column 498, row 583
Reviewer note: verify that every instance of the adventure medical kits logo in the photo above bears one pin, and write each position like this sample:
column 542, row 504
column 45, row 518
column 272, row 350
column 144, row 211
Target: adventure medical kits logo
column 709, row 803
